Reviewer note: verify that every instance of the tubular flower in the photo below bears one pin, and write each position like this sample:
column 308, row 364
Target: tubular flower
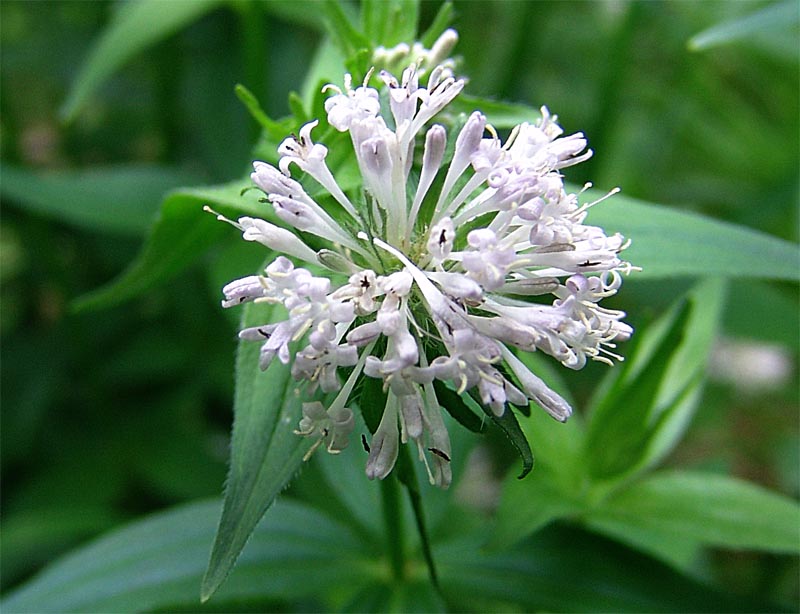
column 446, row 262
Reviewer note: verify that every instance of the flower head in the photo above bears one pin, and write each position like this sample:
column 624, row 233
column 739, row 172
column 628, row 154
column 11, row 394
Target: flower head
column 438, row 268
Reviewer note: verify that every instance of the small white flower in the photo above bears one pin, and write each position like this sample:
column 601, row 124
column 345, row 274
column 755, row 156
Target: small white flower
column 436, row 268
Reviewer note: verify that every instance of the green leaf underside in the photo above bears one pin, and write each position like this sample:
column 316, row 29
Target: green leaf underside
column 114, row 199
column 671, row 243
column 712, row 509
column 180, row 235
column 135, row 27
column 265, row 452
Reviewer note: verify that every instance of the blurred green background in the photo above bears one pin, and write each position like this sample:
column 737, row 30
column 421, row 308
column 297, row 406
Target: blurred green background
column 110, row 414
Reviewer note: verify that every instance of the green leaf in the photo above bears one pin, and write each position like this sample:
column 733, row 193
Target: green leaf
column 265, row 452
column 181, row 234
column 555, row 488
column 528, row 505
column 326, row 67
column 157, row 563
column 389, row 22
column 337, row 484
column 371, row 400
column 443, row 18
column 117, row 199
column 411, row 596
column 765, row 312
column 343, row 33
column 568, row 570
column 32, row 536
column 303, row 12
column 671, row 243
column 678, row 551
column 712, row 509
column 557, row 445
column 456, row 405
column 643, row 414
column 510, row 426
column 500, row 114
column 137, row 25
column 277, row 130
column 777, row 17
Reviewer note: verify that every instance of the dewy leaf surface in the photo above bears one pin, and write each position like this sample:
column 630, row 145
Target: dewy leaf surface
column 265, row 452
column 138, row 25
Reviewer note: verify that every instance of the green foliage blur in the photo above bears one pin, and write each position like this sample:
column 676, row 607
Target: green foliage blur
column 111, row 414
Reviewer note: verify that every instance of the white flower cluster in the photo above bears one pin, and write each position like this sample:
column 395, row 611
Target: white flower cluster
column 431, row 267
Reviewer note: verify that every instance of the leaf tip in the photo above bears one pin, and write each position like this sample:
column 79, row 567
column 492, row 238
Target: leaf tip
column 208, row 587
column 527, row 467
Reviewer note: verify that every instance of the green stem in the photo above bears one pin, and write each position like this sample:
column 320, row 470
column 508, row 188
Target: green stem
column 419, row 516
column 393, row 519
column 405, row 472
column 254, row 52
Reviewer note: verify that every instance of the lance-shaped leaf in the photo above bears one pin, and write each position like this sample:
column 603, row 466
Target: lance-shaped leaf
column 155, row 564
column 114, row 199
column 568, row 570
column 510, row 426
column 443, row 18
column 668, row 243
column 136, row 26
column 340, row 27
column 388, row 22
column 771, row 20
column 265, row 452
column 643, row 414
column 711, row 509
column 671, row 243
column 181, row 234
column 457, row 406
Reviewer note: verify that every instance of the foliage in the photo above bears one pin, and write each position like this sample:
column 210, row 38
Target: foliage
column 667, row 492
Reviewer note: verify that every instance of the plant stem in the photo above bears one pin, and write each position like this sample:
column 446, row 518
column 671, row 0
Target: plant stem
column 419, row 516
column 254, row 53
column 406, row 475
column 392, row 516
